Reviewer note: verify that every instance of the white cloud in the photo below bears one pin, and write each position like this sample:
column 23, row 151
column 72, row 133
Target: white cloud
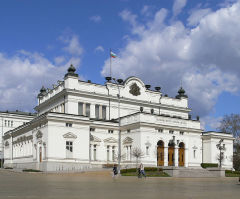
column 99, row 49
column 197, row 15
column 59, row 60
column 96, row 18
column 205, row 58
column 23, row 74
column 212, row 122
column 73, row 46
column 178, row 5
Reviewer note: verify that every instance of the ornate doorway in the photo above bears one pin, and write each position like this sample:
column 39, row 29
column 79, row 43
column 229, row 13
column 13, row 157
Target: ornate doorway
column 160, row 153
column 170, row 154
column 181, row 154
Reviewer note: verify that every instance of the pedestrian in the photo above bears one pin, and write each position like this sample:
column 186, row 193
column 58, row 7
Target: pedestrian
column 141, row 167
column 115, row 172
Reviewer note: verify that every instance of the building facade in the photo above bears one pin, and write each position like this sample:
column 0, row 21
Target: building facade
column 78, row 124
column 10, row 120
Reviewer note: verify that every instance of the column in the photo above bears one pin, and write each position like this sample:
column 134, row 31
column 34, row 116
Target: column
column 186, row 157
column 176, row 156
column 84, row 109
column 165, row 156
column 92, row 110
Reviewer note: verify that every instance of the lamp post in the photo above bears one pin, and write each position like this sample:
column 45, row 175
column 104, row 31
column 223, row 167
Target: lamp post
column 118, row 82
column 2, row 146
column 221, row 147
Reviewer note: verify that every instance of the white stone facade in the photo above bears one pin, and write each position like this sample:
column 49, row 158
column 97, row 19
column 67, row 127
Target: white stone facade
column 77, row 128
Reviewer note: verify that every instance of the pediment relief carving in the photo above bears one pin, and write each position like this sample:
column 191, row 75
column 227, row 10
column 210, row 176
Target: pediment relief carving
column 70, row 135
column 94, row 138
column 110, row 140
column 6, row 143
column 127, row 140
column 135, row 89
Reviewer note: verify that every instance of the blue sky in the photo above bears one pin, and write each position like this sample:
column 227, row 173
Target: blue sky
column 164, row 42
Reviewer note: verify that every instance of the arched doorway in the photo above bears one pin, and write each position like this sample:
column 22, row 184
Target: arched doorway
column 160, row 153
column 181, row 154
column 170, row 154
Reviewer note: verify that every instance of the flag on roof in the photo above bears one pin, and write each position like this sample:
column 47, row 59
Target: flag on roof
column 113, row 55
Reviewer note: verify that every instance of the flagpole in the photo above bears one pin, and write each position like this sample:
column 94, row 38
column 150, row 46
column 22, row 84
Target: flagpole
column 110, row 63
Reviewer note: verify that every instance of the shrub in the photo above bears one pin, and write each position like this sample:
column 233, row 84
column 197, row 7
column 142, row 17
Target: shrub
column 108, row 165
column 8, row 168
column 232, row 172
column 31, row 170
column 128, row 170
column 206, row 165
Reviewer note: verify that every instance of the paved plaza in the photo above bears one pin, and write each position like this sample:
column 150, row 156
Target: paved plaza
column 99, row 185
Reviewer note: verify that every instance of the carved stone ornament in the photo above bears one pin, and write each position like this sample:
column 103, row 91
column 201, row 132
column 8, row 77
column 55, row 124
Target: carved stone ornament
column 39, row 134
column 134, row 89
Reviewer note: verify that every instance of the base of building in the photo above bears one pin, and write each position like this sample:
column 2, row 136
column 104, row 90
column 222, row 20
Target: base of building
column 198, row 172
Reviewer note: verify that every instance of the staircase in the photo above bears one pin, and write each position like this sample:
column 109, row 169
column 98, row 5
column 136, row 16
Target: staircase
column 184, row 172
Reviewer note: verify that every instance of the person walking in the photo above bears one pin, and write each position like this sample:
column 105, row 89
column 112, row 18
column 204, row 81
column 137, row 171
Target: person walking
column 141, row 167
column 115, row 172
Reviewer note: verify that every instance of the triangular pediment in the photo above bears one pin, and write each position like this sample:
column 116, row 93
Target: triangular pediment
column 110, row 140
column 94, row 138
column 70, row 135
column 127, row 140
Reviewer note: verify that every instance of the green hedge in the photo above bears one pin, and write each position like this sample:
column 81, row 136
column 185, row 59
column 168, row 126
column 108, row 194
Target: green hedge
column 146, row 169
column 31, row 170
column 206, row 165
column 230, row 171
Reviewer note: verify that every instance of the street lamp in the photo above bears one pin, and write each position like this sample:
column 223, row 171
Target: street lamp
column 118, row 82
column 221, row 147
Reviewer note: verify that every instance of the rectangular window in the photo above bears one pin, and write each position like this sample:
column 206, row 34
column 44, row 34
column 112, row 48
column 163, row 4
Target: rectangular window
column 69, row 149
column 88, row 110
column 97, row 111
column 110, row 131
column 68, row 124
column 8, row 123
column 104, row 111
column 80, row 108
column 128, row 131
column 107, row 153
column 11, row 123
column 113, row 153
column 194, row 153
column 160, row 130
column 171, row 131
column 147, row 150
column 95, row 152
column 181, row 132
column 5, row 122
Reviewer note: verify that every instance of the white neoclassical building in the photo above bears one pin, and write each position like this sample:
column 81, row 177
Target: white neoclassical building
column 77, row 127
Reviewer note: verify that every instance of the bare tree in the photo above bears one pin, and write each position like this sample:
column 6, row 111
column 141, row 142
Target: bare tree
column 230, row 124
column 137, row 153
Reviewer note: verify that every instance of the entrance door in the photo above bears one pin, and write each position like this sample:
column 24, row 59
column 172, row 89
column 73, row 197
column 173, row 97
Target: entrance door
column 160, row 156
column 181, row 155
column 160, row 153
column 170, row 155
column 40, row 154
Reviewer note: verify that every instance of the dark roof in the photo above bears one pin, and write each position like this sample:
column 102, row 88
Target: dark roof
column 19, row 113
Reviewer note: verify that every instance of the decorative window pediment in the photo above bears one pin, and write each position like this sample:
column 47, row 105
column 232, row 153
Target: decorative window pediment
column 70, row 135
column 148, row 143
column 110, row 140
column 194, row 147
column 127, row 140
column 94, row 138
column 39, row 134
